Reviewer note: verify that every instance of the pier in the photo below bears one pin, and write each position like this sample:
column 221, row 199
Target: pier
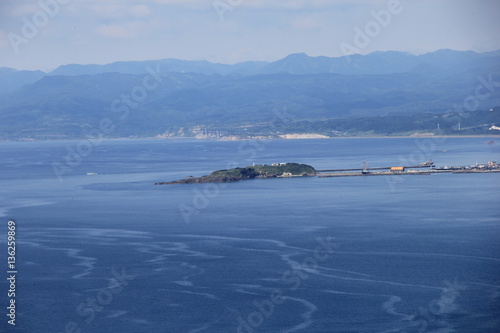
column 427, row 168
column 428, row 164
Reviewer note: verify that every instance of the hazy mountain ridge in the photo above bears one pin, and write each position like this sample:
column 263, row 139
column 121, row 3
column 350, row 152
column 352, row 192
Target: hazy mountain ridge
column 441, row 62
column 12, row 79
column 67, row 105
column 300, row 63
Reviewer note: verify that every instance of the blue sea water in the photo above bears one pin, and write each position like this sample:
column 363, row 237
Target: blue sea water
column 114, row 253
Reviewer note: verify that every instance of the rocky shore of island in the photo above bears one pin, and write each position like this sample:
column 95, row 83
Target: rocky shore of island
column 275, row 170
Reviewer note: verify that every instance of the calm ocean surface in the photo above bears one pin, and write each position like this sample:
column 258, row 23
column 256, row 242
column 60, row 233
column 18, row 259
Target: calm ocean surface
column 357, row 254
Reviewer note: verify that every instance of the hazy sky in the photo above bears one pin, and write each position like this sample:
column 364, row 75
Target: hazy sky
column 229, row 31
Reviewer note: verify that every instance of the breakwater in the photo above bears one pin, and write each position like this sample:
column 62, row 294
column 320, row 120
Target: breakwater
column 427, row 168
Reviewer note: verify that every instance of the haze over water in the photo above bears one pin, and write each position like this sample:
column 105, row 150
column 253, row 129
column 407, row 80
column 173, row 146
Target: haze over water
column 357, row 254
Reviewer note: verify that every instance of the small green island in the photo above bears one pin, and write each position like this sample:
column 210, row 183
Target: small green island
column 276, row 170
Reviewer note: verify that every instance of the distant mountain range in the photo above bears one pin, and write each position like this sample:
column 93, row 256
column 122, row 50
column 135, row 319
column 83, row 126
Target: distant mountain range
column 298, row 63
column 72, row 99
column 12, row 79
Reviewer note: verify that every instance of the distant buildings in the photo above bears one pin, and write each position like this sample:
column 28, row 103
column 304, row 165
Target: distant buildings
column 492, row 165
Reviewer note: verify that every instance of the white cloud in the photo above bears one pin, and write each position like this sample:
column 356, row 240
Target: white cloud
column 294, row 5
column 20, row 9
column 253, row 30
column 109, row 10
column 140, row 11
column 4, row 41
column 116, row 11
column 307, row 23
column 114, row 31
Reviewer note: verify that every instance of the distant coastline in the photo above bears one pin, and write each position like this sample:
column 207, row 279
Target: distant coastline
column 250, row 138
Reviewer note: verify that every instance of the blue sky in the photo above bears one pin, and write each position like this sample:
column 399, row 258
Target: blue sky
column 230, row 31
